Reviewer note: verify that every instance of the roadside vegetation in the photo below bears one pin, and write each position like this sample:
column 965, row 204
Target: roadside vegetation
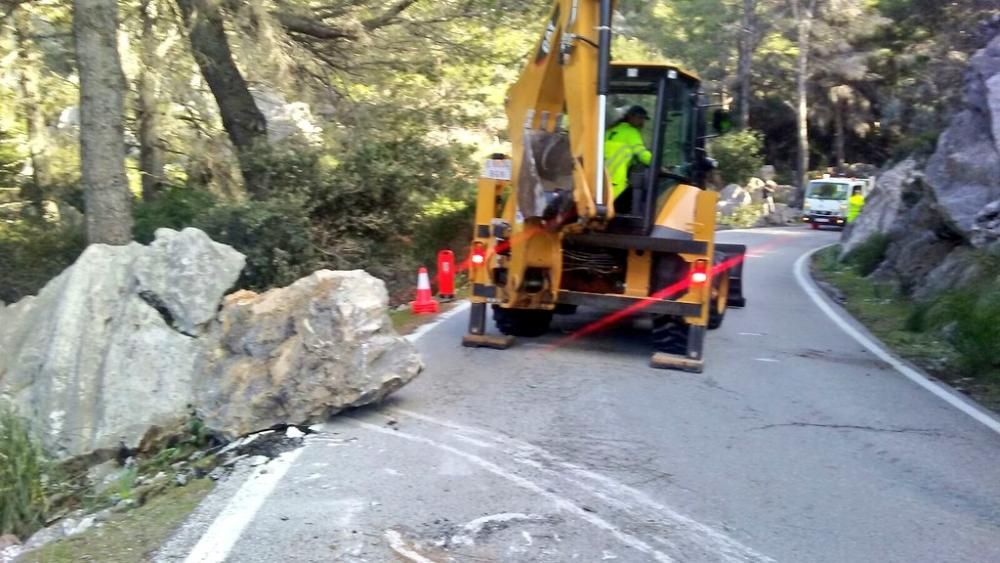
column 23, row 503
column 136, row 502
column 742, row 217
column 354, row 139
column 952, row 336
column 740, row 156
column 127, row 537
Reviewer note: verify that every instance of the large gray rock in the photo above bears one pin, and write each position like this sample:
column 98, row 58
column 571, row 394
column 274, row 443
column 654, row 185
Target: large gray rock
column 882, row 206
column 922, row 237
column 731, row 198
column 302, row 353
column 965, row 169
column 986, row 227
column 179, row 270
column 90, row 361
column 123, row 343
column 781, row 216
column 960, row 268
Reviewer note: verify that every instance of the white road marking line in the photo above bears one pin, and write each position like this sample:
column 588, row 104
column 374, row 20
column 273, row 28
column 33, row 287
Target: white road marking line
column 769, row 360
column 424, row 329
column 786, row 231
column 398, row 545
column 473, row 441
column 218, row 541
column 727, row 547
column 805, row 281
column 476, row 526
column 560, row 502
column 472, row 528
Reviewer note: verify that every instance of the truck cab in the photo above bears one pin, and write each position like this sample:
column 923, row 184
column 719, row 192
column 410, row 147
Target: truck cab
column 826, row 200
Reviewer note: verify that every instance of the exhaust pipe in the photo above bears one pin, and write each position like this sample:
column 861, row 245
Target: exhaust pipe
column 603, row 86
column 604, row 48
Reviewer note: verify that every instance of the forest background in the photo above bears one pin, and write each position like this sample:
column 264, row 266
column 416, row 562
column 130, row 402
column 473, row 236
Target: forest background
column 348, row 134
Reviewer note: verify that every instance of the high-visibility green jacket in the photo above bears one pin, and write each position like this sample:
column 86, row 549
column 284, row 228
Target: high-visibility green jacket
column 622, row 146
column 854, row 205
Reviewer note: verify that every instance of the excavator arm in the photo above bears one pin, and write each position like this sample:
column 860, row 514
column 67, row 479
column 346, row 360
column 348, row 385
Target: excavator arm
column 562, row 83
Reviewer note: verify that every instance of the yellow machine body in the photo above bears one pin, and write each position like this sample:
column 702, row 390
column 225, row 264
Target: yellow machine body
column 546, row 225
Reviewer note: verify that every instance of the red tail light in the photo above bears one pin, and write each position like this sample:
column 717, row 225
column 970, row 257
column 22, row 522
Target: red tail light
column 699, row 274
column 478, row 254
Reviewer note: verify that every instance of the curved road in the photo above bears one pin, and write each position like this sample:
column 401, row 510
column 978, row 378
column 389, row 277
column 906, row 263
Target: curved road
column 795, row 445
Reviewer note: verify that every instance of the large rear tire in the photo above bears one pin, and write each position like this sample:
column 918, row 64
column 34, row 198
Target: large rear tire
column 565, row 309
column 522, row 322
column 670, row 335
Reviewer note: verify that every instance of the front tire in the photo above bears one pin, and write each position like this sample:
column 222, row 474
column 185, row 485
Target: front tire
column 522, row 322
column 720, row 301
column 670, row 335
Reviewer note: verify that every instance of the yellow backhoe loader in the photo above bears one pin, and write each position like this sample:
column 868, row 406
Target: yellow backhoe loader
column 559, row 224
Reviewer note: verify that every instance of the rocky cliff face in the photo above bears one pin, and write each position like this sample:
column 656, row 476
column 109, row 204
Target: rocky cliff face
column 939, row 213
column 130, row 337
column 964, row 171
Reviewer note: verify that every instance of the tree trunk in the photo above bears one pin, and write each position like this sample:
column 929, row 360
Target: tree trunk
column 744, row 67
column 803, row 11
column 102, row 133
column 29, row 60
column 243, row 121
column 838, row 131
column 150, row 143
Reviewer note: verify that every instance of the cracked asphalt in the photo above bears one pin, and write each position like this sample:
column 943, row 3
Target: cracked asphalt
column 795, row 445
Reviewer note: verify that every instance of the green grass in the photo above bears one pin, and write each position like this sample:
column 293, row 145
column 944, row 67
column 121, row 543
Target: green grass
column 742, row 217
column 867, row 256
column 130, row 536
column 405, row 322
column 954, row 337
column 22, row 496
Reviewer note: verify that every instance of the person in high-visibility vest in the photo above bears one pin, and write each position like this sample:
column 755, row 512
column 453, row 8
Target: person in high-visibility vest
column 623, row 147
column 854, row 204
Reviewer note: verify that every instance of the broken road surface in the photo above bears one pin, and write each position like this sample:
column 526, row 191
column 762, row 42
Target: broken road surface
column 795, row 444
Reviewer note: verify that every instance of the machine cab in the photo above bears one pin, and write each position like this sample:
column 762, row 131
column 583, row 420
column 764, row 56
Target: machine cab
column 672, row 133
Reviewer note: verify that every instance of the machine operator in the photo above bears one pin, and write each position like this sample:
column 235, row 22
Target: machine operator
column 623, row 147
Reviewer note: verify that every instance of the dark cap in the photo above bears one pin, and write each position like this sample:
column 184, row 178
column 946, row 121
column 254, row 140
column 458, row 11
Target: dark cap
column 637, row 110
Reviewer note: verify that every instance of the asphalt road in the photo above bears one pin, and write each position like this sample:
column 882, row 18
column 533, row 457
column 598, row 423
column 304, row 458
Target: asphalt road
column 795, row 445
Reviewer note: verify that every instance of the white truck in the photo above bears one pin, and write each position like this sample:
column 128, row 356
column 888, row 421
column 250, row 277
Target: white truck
column 826, row 200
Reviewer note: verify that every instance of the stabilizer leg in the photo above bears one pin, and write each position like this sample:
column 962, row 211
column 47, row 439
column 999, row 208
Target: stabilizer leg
column 477, row 337
column 692, row 361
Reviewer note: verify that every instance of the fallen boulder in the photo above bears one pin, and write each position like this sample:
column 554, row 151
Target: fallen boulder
column 179, row 271
column 302, row 353
column 129, row 340
column 91, row 361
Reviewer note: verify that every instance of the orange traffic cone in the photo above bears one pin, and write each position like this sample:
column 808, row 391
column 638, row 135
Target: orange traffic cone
column 425, row 303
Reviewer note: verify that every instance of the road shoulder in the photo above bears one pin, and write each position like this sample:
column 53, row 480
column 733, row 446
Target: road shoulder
column 863, row 336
